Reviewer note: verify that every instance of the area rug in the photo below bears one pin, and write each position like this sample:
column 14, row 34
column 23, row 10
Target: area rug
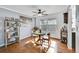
column 29, row 45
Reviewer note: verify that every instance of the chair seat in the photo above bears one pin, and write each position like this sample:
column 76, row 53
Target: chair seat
column 45, row 37
column 45, row 41
column 45, row 46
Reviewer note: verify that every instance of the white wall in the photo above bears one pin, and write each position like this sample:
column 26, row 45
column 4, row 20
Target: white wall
column 25, row 30
column 1, row 31
column 69, row 39
column 77, row 30
column 60, row 22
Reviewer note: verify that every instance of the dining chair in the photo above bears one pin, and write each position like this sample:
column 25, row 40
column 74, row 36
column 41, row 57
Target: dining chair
column 46, row 42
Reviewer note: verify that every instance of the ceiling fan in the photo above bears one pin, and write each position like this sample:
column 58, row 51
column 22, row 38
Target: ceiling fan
column 39, row 12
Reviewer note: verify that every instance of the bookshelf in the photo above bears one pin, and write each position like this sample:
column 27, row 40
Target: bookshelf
column 64, row 34
column 11, row 31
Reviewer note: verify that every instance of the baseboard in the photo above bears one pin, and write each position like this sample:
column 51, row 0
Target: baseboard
column 26, row 38
column 55, row 38
column 1, row 45
column 30, row 37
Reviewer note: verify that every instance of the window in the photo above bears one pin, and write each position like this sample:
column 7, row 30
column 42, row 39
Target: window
column 52, row 22
column 48, row 25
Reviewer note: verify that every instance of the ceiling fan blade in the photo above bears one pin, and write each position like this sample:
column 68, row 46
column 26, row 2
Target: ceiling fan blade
column 34, row 12
column 43, row 11
column 38, row 9
column 33, row 15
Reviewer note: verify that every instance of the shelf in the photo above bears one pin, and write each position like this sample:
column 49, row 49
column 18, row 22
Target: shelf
column 11, row 31
column 11, row 42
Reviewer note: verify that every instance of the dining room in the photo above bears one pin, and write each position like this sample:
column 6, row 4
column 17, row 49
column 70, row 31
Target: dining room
column 36, row 29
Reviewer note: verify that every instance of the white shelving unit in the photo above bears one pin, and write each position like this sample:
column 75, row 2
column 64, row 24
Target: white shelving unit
column 11, row 31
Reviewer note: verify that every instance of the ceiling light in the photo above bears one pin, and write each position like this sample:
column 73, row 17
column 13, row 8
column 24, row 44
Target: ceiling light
column 40, row 15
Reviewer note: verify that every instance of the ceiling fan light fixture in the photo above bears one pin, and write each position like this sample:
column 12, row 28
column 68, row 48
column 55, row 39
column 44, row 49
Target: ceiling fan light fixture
column 40, row 15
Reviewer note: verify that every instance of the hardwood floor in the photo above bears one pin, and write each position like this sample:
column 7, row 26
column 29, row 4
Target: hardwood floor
column 26, row 46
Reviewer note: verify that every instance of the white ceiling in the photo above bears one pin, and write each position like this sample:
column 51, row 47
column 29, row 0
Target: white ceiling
column 27, row 9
